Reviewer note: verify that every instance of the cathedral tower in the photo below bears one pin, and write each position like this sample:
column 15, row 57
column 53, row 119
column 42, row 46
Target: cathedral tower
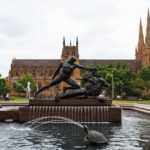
column 140, row 47
column 143, row 49
column 146, row 52
column 69, row 50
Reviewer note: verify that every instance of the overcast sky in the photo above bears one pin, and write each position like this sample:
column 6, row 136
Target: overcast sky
column 34, row 29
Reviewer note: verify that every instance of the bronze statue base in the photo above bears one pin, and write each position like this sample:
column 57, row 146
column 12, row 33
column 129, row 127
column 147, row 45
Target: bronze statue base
column 81, row 110
column 70, row 102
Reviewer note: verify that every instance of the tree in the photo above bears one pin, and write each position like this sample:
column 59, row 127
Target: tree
column 3, row 86
column 21, row 84
column 144, row 75
column 135, row 87
column 123, row 76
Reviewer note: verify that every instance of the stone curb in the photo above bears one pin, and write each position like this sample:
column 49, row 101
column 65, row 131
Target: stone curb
column 137, row 107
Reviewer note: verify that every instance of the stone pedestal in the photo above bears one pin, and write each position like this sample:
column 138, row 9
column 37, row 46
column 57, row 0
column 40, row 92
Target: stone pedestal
column 9, row 114
column 70, row 102
column 81, row 110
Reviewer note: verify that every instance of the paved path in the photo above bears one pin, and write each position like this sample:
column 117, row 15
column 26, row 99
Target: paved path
column 14, row 104
column 145, row 108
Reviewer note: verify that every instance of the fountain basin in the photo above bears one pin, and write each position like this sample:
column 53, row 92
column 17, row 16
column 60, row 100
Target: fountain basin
column 76, row 113
column 9, row 114
column 80, row 110
column 132, row 134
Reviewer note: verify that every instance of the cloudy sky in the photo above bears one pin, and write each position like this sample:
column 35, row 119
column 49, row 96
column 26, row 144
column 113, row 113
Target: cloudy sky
column 107, row 29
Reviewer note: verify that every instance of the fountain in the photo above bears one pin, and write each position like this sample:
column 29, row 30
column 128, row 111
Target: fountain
column 92, row 137
column 80, row 104
column 133, row 133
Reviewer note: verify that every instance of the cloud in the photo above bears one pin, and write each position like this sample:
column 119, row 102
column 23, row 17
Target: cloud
column 34, row 28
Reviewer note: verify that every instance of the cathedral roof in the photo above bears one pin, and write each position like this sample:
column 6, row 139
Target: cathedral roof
column 129, row 62
column 56, row 62
column 36, row 62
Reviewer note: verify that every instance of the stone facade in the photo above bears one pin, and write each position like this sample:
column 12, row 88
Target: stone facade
column 143, row 47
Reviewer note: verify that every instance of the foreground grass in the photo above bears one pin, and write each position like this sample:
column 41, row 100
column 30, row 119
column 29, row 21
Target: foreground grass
column 131, row 101
column 16, row 100
column 26, row 100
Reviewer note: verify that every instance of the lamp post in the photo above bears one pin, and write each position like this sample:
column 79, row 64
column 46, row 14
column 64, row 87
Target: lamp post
column 113, row 95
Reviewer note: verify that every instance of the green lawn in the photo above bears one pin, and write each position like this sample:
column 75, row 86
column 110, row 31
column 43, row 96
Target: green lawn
column 131, row 101
column 24, row 99
column 16, row 100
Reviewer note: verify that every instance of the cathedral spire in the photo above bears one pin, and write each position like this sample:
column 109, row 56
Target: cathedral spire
column 64, row 42
column 136, row 53
column 147, row 38
column 141, row 37
column 70, row 42
column 77, row 41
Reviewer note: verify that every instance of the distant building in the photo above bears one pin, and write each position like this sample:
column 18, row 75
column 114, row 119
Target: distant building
column 143, row 47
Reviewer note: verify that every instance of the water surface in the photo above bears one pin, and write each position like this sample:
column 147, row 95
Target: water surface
column 132, row 134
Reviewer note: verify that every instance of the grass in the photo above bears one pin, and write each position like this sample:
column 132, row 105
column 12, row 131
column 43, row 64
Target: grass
column 16, row 100
column 131, row 101
column 26, row 100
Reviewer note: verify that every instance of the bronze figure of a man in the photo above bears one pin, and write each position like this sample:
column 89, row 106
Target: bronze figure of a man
column 63, row 73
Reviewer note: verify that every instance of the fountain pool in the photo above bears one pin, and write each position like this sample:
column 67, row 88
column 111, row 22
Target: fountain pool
column 132, row 134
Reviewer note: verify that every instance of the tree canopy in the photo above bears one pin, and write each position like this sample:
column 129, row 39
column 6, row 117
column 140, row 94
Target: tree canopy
column 127, row 81
column 144, row 76
column 3, row 86
column 21, row 84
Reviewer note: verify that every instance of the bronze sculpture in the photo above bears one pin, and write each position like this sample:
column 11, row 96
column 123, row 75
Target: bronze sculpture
column 94, row 137
column 63, row 73
column 92, row 89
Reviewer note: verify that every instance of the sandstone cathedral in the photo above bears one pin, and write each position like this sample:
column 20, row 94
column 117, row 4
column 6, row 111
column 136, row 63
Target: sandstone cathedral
column 44, row 69
column 143, row 48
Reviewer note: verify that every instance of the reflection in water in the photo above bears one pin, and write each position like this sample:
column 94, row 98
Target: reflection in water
column 132, row 134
